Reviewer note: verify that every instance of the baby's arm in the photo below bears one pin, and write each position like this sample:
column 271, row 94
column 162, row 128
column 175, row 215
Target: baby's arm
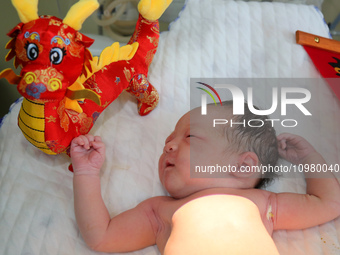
column 322, row 201
column 128, row 231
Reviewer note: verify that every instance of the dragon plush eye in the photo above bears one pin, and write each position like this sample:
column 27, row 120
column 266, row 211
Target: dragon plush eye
column 57, row 55
column 32, row 51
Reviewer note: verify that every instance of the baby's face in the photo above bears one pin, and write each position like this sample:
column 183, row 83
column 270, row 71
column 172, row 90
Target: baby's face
column 206, row 145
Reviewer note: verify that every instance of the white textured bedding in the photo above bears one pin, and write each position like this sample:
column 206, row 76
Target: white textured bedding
column 211, row 38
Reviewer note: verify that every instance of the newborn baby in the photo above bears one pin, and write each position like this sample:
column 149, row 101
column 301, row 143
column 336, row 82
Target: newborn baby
column 227, row 215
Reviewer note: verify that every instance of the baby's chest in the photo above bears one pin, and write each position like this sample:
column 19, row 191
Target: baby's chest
column 221, row 222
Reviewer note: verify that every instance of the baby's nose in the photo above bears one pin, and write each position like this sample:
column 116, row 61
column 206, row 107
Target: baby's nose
column 170, row 147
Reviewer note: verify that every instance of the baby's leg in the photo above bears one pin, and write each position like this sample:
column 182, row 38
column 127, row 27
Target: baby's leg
column 219, row 224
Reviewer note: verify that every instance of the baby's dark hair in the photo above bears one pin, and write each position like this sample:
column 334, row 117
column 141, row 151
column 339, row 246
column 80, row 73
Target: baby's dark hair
column 260, row 139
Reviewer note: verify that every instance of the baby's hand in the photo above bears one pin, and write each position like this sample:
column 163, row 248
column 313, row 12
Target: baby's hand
column 294, row 148
column 87, row 154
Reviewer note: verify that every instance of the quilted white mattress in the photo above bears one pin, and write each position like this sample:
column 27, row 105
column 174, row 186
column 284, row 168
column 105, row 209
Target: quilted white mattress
column 211, row 38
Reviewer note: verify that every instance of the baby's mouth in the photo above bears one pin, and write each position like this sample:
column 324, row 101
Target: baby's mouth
column 169, row 164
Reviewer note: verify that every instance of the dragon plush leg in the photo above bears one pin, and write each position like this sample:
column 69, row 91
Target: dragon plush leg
column 146, row 34
column 147, row 96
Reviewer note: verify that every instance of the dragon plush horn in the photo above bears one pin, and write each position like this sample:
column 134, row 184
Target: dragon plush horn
column 79, row 13
column 27, row 9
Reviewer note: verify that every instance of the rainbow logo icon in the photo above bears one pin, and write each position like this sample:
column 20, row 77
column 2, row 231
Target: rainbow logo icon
column 209, row 93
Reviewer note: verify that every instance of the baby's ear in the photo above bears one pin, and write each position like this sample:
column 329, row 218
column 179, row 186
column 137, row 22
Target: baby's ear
column 247, row 165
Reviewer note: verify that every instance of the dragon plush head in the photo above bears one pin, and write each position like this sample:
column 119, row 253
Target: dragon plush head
column 64, row 87
column 50, row 51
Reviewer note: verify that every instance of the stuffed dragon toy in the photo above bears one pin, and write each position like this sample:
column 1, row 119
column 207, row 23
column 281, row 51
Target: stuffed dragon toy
column 64, row 87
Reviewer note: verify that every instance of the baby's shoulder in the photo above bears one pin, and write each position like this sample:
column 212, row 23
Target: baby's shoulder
column 262, row 198
column 160, row 206
column 156, row 201
column 159, row 211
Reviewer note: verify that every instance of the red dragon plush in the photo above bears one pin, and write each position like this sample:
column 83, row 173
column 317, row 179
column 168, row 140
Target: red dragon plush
column 64, row 87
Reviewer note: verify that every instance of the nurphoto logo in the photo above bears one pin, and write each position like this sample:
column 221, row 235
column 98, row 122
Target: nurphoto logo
column 294, row 96
column 204, row 97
